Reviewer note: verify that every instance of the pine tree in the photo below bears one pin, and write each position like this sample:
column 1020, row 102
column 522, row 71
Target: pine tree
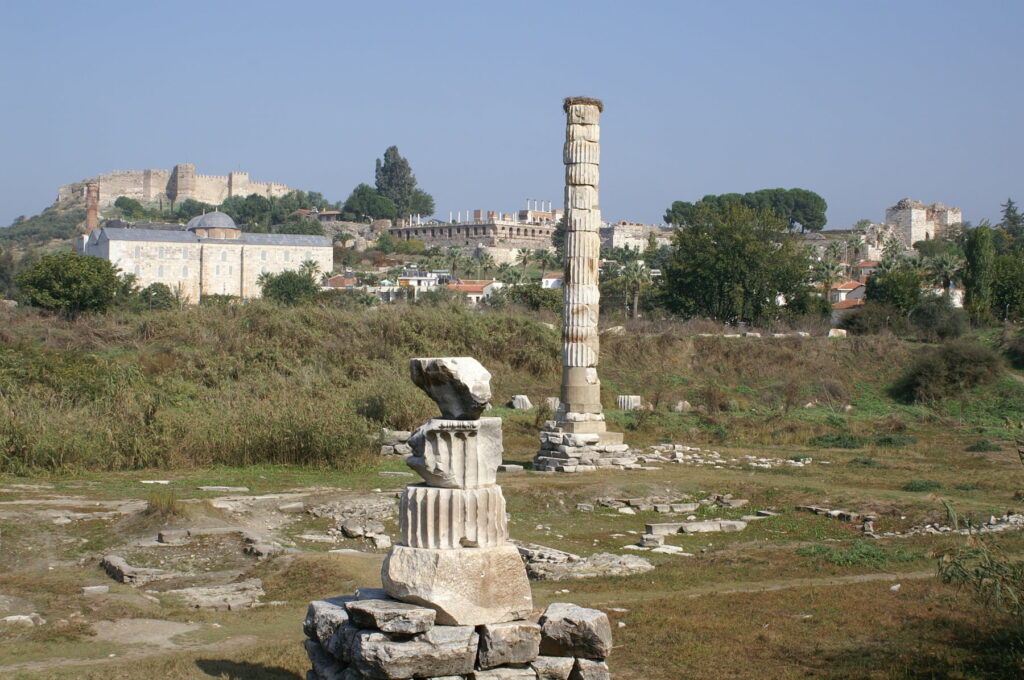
column 1013, row 221
column 395, row 180
column 978, row 272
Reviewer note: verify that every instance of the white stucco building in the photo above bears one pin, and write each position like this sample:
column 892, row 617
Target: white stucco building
column 209, row 256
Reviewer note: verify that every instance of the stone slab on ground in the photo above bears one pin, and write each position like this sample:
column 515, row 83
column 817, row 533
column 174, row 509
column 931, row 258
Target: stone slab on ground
column 118, row 569
column 231, row 597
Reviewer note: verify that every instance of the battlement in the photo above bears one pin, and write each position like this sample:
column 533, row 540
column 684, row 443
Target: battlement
column 181, row 183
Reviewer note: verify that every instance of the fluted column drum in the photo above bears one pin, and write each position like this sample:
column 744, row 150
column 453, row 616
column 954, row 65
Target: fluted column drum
column 449, row 519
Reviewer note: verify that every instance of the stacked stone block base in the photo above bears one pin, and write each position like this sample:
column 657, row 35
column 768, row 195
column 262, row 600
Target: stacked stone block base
column 562, row 451
column 371, row 636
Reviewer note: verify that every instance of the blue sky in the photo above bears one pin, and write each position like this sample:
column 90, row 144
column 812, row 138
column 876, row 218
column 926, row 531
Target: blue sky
column 863, row 102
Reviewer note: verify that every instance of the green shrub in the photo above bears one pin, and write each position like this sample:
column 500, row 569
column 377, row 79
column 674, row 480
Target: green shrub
column 1013, row 347
column 983, row 446
column 838, row 440
column 921, row 485
column 894, row 440
column 936, row 319
column 865, row 463
column 966, row 487
column 859, row 554
column 873, row 318
column 948, row 371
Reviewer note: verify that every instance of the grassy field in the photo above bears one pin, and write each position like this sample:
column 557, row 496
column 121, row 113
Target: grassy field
column 287, row 401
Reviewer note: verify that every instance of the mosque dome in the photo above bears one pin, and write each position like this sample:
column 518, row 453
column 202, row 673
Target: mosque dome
column 212, row 220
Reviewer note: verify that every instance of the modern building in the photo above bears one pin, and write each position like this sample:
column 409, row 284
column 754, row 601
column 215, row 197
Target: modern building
column 209, row 256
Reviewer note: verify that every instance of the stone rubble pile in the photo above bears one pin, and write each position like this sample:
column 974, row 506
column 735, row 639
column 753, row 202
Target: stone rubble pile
column 1007, row 522
column 549, row 564
column 372, row 636
column 395, row 443
column 456, row 600
column 692, row 455
column 580, row 452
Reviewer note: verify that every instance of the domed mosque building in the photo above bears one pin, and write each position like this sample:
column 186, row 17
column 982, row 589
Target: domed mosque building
column 210, row 255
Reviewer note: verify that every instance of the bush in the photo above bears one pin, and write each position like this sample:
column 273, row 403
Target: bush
column 983, row 446
column 70, row 284
column 922, row 485
column 1013, row 347
column 838, row 440
column 865, row 463
column 873, row 318
column 997, row 582
column 894, row 440
column 289, row 287
column 936, row 319
column 948, row 371
column 859, row 554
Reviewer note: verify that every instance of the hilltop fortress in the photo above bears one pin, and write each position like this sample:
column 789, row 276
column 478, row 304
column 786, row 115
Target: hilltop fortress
column 179, row 184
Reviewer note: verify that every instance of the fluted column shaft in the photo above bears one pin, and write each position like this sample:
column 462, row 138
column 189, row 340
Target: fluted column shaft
column 581, row 389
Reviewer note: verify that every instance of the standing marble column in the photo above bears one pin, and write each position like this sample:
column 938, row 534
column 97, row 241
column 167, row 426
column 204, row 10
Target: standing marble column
column 577, row 439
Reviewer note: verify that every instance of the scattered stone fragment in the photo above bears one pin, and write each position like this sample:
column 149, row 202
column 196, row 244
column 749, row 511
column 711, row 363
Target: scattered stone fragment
column 155, row 481
column 224, row 489
column 570, row 630
column 584, row 507
column 297, row 506
column 395, row 473
column 510, row 467
column 711, row 526
column 506, row 673
column 95, row 590
column 628, row 402
column 521, row 402
column 391, row 616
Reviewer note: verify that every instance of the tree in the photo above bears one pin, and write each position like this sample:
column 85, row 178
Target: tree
column 310, row 268
column 828, row 273
column 1013, row 221
column 482, row 262
column 299, row 224
column 70, row 284
column 897, row 285
column 421, row 203
column 158, row 296
column 364, row 203
column 734, row 263
column 524, row 256
column 798, row 207
column 190, row 208
column 635, row 277
column 129, row 207
column 290, row 287
column 1008, row 285
column 396, row 182
column 385, row 243
column 944, row 271
column 546, row 259
column 979, row 254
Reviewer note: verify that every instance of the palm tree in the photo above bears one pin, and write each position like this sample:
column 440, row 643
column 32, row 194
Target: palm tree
column 310, row 268
column 546, row 259
column 828, row 272
column 484, row 262
column 944, row 270
column 508, row 274
column 635, row 276
column 853, row 245
column 835, row 250
column 523, row 256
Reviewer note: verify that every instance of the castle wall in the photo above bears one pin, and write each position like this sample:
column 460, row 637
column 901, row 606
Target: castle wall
column 914, row 221
column 152, row 186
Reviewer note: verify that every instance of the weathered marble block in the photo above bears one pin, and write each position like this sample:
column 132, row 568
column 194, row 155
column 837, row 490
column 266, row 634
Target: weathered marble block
column 513, row 642
column 448, row 519
column 571, row 630
column 457, row 454
column 460, row 386
column 471, row 586
column 446, row 650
